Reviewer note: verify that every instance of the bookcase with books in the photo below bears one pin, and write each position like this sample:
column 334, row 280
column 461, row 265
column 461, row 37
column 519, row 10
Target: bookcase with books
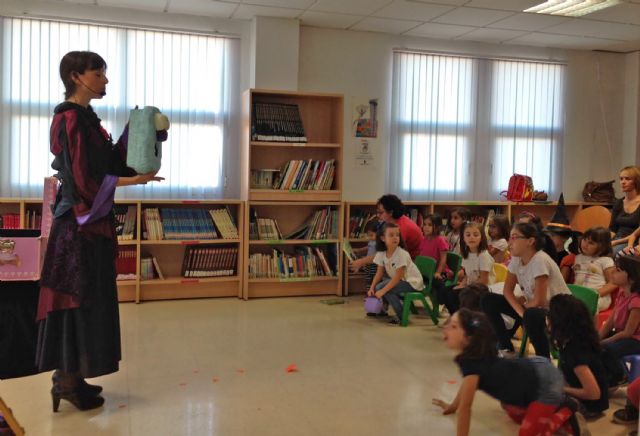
column 292, row 181
column 167, row 249
column 358, row 213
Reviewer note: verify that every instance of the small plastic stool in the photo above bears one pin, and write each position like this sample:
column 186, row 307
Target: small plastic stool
column 634, row 366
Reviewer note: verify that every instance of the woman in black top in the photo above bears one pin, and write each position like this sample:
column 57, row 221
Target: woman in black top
column 625, row 215
column 573, row 333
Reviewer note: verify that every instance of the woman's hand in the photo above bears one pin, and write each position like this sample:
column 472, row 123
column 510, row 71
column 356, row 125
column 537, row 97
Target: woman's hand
column 447, row 409
column 143, row 179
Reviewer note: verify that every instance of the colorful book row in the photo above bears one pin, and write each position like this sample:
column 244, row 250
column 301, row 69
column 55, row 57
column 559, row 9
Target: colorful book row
column 305, row 262
column 306, row 175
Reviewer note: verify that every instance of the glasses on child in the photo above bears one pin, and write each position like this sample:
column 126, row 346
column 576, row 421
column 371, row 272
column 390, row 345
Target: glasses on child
column 514, row 237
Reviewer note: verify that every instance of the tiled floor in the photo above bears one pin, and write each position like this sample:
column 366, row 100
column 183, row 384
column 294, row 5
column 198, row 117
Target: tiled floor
column 217, row 367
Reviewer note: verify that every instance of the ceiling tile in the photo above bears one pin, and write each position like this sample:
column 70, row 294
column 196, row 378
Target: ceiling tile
column 247, row 12
column 145, row 5
column 491, row 35
column 294, row 4
column 622, row 13
column 530, row 22
column 208, row 8
column 472, row 17
column 442, row 31
column 404, row 10
column 441, row 2
column 385, row 25
column 325, row 19
column 355, row 7
column 596, row 29
column 573, row 42
column 505, row 5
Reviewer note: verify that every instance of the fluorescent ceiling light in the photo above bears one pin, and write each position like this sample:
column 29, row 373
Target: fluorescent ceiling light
column 572, row 8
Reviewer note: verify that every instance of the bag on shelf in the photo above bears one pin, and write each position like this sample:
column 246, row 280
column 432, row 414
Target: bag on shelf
column 520, row 188
column 599, row 192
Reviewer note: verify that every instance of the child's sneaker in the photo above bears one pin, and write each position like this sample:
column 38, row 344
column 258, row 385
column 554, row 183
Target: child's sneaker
column 394, row 320
column 507, row 354
column 628, row 415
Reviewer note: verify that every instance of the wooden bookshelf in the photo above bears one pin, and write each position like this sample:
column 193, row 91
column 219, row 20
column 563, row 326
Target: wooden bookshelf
column 169, row 253
column 354, row 282
column 322, row 119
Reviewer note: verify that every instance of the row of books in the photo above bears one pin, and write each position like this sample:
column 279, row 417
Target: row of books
column 358, row 221
column 125, row 221
column 10, row 221
column 276, row 122
column 126, row 260
column 33, row 219
column 203, row 261
column 323, row 224
column 184, row 224
column 305, row 262
column 264, row 229
column 308, row 175
column 150, row 269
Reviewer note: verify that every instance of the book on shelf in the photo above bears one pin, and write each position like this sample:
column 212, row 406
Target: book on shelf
column 223, row 220
column 263, row 178
column 358, row 221
column 322, row 224
column 207, row 261
column 306, row 175
column 348, row 250
column 33, row 219
column 125, row 221
column 276, row 122
column 304, row 262
column 156, row 266
column 146, row 269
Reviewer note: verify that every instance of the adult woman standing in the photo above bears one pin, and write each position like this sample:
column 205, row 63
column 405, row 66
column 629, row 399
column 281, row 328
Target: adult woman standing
column 540, row 279
column 78, row 319
column 625, row 215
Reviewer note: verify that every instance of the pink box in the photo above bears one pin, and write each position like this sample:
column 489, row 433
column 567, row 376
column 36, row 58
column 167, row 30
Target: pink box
column 21, row 255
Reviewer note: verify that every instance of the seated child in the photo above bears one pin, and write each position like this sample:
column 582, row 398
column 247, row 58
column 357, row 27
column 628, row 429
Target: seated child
column 530, row 389
column 367, row 251
column 593, row 267
column 620, row 334
column 574, row 335
column 498, row 244
column 453, row 234
column 396, row 261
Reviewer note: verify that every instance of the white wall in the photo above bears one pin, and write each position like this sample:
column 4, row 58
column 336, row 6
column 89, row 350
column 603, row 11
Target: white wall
column 359, row 64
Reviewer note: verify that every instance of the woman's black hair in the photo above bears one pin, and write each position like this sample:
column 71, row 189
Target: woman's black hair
column 542, row 240
column 630, row 265
column 392, row 204
column 464, row 248
column 502, row 224
column 77, row 62
column 570, row 321
column 380, row 245
column 482, row 339
column 436, row 222
column 462, row 212
column 602, row 237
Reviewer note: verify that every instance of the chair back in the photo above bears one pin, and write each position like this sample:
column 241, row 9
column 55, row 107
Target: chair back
column 454, row 262
column 427, row 267
column 587, row 295
column 500, row 271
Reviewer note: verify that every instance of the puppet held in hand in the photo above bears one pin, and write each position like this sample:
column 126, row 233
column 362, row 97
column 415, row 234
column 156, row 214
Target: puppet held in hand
column 147, row 130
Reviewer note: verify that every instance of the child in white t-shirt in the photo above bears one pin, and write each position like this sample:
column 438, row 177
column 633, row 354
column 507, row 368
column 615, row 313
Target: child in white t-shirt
column 396, row 262
column 594, row 267
column 498, row 246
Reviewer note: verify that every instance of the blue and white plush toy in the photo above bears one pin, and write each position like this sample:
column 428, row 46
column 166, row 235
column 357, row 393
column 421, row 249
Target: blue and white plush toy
column 147, row 130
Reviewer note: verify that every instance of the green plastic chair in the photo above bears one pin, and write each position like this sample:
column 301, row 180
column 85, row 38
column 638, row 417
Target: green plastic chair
column 454, row 263
column 427, row 267
column 587, row 295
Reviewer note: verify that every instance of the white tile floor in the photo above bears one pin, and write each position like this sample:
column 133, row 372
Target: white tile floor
column 217, row 367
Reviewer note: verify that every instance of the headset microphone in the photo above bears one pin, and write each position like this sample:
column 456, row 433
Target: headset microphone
column 102, row 93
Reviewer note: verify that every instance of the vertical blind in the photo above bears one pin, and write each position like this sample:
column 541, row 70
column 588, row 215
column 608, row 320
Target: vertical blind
column 461, row 126
column 190, row 78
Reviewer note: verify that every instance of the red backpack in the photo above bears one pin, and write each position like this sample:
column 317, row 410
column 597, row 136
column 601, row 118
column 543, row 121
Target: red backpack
column 520, row 188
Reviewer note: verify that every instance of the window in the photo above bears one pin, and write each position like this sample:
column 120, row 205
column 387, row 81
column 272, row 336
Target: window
column 188, row 77
column 462, row 126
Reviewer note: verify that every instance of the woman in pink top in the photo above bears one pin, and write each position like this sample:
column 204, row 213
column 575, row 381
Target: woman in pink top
column 621, row 333
column 391, row 210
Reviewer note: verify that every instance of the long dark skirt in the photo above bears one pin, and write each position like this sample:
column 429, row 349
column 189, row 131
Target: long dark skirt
column 86, row 339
